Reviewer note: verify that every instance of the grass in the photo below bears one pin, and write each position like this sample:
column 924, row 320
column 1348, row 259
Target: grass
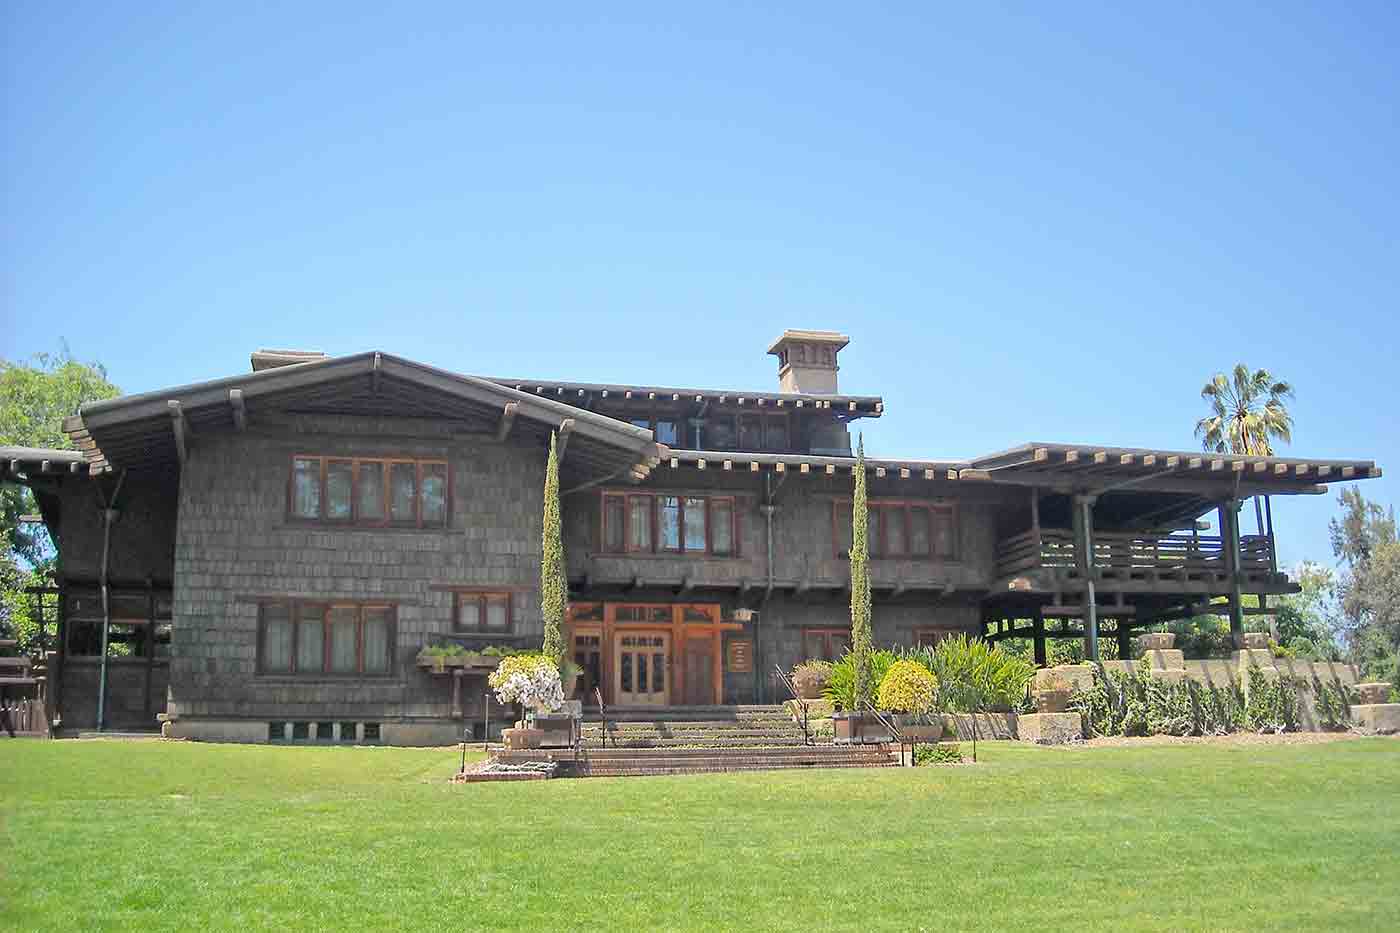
column 151, row 835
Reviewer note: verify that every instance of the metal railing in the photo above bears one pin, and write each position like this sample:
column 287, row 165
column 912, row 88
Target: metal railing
column 801, row 704
column 896, row 734
column 603, row 716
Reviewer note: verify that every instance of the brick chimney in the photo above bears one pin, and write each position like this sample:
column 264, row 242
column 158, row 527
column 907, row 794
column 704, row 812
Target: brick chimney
column 807, row 360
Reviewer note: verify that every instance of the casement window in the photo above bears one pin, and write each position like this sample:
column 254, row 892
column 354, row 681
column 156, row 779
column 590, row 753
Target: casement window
column 481, row 612
column 750, row 431
column 667, row 428
column 369, row 491
column 900, row 530
column 298, row 636
column 140, row 622
column 825, row 644
column 647, row 523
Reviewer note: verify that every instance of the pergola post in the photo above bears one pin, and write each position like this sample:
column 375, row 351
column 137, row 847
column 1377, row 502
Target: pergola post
column 1125, row 640
column 1038, row 634
column 1084, row 562
column 1230, row 545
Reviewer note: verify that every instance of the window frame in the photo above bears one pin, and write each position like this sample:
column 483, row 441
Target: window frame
column 296, row 619
column 901, row 510
column 385, row 519
column 480, row 597
column 653, row 508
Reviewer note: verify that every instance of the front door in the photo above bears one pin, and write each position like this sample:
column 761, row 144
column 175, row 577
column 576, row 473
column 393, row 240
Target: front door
column 700, row 672
column 642, row 678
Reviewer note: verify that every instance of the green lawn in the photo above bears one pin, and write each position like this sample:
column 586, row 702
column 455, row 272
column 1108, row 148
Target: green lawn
column 151, row 835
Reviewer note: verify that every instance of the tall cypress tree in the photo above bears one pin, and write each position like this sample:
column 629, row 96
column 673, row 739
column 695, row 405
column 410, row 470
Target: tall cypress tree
column 860, row 584
column 554, row 584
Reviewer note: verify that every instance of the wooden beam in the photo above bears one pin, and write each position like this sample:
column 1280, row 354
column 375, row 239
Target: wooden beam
column 240, row 412
column 177, row 423
column 566, row 427
column 507, row 421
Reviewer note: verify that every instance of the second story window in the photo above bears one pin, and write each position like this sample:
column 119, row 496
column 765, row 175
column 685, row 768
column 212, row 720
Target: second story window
column 649, row 523
column 900, row 530
column 369, row 492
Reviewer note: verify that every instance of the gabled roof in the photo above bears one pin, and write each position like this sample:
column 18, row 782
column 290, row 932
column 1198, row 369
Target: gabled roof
column 21, row 463
column 150, row 428
column 588, row 393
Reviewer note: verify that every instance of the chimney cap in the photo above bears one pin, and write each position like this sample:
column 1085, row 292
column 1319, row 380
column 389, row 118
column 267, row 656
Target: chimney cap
column 271, row 359
column 810, row 336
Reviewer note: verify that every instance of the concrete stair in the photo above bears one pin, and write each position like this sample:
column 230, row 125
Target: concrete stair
column 635, row 762
column 695, row 727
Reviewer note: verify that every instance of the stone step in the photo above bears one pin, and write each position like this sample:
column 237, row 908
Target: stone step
column 696, row 741
column 727, row 767
column 695, row 730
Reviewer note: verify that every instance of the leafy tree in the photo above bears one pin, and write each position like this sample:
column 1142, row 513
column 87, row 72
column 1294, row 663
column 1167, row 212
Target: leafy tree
column 1366, row 542
column 554, row 584
column 860, row 584
column 35, row 397
column 1247, row 413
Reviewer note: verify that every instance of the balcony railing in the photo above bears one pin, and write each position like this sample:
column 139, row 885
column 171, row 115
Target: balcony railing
column 1126, row 552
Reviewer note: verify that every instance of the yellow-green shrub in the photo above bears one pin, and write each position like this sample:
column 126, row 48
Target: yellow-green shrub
column 907, row 688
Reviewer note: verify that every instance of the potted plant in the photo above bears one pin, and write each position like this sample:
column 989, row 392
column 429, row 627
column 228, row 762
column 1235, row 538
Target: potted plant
column 909, row 692
column 1052, row 692
column 437, row 658
column 810, row 679
column 532, row 682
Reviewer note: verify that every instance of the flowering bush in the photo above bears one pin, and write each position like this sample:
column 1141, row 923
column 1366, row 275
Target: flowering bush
column 907, row 688
column 532, row 680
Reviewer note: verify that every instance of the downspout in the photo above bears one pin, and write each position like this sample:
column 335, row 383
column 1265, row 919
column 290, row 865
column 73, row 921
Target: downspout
column 109, row 515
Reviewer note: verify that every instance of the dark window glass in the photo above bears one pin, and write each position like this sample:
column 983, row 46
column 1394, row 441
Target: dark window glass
column 777, row 434
column 944, row 534
column 306, row 487
column 722, row 527
column 918, row 531
column 894, row 532
column 311, row 638
column 843, row 528
column 371, row 504
column 639, row 523
column 641, row 672
column 403, row 489
column 658, row 672
column 668, row 433
column 376, row 640
column 626, row 672
column 277, row 637
column 750, row 432
column 342, row 629
column 469, row 611
column 721, row 432
column 497, row 611
column 614, row 524
column 670, row 519
column 338, row 486
column 875, row 532
column 434, row 494
column 694, row 524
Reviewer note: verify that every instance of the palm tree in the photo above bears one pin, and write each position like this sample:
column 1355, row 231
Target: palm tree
column 1247, row 413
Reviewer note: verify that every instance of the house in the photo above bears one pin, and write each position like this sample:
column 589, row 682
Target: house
column 265, row 555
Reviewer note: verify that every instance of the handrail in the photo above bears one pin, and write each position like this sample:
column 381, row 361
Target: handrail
column 603, row 716
column 801, row 703
column 895, row 733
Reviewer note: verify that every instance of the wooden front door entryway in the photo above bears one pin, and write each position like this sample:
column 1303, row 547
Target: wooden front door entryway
column 641, row 672
column 700, row 663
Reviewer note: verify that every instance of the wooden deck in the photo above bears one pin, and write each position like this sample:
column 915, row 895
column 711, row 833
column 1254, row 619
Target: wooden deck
column 1143, row 556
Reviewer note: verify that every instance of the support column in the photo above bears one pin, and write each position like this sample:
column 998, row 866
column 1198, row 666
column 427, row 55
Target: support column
column 1230, row 544
column 1084, row 562
column 1125, row 641
column 1038, row 633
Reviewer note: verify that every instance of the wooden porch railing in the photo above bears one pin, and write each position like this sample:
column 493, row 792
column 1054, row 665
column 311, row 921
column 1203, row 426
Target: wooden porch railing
column 1126, row 551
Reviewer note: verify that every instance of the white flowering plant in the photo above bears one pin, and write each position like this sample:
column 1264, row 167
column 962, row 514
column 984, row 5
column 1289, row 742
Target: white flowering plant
column 532, row 680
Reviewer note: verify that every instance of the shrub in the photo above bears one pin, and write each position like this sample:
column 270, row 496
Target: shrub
column 841, row 688
column 444, row 651
column 1333, row 701
column 532, row 680
column 973, row 675
column 943, row 753
column 814, row 668
column 1135, row 703
column 1272, row 705
column 907, row 687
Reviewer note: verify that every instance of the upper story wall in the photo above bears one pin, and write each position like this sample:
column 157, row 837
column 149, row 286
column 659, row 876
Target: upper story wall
column 769, row 427
column 142, row 541
column 809, row 542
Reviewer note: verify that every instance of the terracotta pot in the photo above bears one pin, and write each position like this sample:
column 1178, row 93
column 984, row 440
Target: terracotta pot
column 1051, row 701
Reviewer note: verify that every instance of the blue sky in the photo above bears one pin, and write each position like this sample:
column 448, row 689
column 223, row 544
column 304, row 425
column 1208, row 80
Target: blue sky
column 1035, row 225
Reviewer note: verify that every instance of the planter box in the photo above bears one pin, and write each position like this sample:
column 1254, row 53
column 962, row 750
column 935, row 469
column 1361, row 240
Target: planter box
column 1370, row 694
column 919, row 728
column 557, row 730
column 522, row 738
column 1051, row 701
column 437, row 664
column 859, row 729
